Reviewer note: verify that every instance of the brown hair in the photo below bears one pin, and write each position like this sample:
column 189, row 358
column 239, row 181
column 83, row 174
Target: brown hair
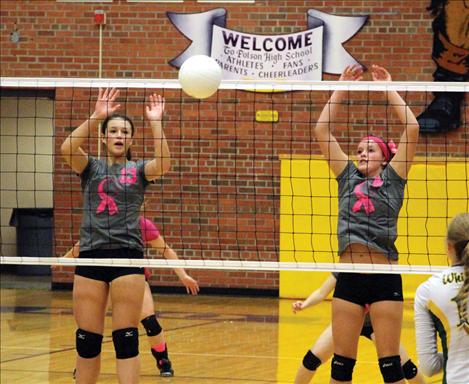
column 458, row 235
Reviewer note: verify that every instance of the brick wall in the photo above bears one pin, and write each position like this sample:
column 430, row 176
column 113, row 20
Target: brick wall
column 61, row 40
column 221, row 199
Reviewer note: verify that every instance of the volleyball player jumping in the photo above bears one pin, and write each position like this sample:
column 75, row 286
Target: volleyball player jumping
column 323, row 348
column 370, row 198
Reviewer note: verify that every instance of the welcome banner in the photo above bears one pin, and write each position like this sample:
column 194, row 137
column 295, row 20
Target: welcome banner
column 303, row 55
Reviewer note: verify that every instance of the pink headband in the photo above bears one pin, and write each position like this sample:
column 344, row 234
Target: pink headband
column 387, row 148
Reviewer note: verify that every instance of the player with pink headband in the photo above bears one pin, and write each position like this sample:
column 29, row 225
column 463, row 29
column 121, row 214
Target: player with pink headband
column 389, row 149
column 371, row 193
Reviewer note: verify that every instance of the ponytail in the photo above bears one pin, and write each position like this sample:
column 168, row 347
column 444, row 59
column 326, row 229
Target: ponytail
column 458, row 235
column 464, row 291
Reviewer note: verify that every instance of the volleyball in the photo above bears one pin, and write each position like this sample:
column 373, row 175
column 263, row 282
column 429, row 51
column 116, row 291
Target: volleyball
column 200, row 76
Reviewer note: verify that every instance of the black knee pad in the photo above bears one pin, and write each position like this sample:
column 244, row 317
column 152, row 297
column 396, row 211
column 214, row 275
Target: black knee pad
column 311, row 361
column 125, row 342
column 391, row 368
column 88, row 344
column 410, row 370
column 151, row 325
column 342, row 368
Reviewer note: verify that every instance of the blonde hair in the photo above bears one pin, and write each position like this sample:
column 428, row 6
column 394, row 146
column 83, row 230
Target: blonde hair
column 458, row 235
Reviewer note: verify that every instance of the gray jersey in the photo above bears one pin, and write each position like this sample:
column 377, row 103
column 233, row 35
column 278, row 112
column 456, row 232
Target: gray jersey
column 368, row 209
column 112, row 196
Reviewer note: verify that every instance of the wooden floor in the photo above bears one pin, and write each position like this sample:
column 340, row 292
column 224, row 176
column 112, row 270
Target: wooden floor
column 211, row 340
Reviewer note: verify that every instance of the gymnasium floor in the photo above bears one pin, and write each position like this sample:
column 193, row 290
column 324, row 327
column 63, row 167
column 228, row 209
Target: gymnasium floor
column 211, row 339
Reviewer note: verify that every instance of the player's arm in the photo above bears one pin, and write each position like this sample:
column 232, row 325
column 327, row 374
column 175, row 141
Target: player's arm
column 328, row 144
column 71, row 148
column 161, row 162
column 192, row 286
column 431, row 361
column 317, row 296
column 402, row 160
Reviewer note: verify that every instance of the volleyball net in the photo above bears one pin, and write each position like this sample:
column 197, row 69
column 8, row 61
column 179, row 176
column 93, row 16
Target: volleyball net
column 248, row 188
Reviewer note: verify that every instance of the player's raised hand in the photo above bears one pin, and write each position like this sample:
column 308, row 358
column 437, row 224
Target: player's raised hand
column 106, row 104
column 380, row 74
column 155, row 108
column 352, row 73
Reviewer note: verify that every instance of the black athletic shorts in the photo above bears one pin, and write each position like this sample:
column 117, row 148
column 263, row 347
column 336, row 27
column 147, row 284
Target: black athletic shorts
column 366, row 288
column 108, row 274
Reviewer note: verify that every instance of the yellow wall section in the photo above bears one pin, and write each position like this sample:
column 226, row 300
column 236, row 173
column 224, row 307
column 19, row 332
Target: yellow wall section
column 435, row 192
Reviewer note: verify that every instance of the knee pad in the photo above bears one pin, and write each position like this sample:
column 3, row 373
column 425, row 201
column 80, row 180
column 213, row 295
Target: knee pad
column 311, row 361
column 125, row 342
column 342, row 368
column 391, row 368
column 151, row 325
column 88, row 344
column 410, row 370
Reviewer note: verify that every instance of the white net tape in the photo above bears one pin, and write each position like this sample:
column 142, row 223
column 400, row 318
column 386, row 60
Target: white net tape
column 266, row 86
column 225, row 265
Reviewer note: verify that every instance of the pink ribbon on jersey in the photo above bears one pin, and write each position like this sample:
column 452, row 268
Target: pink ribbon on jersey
column 363, row 200
column 106, row 200
column 128, row 176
